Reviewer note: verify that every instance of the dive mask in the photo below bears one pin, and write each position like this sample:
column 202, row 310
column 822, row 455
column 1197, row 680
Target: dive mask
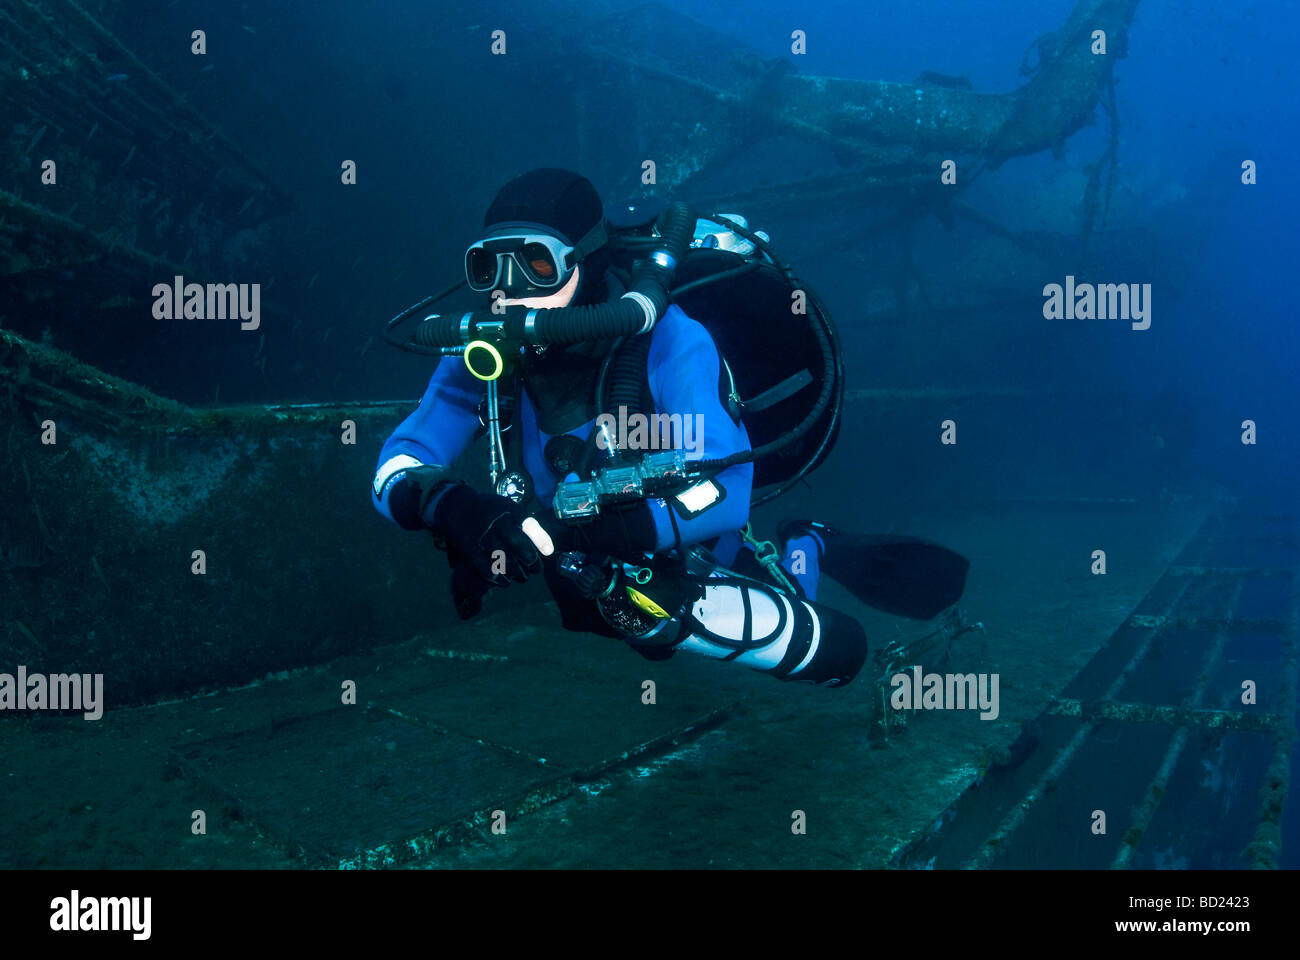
column 525, row 262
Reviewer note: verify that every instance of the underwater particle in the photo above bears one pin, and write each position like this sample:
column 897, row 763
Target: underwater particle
column 35, row 140
column 22, row 628
column 366, row 347
column 99, row 573
column 40, row 520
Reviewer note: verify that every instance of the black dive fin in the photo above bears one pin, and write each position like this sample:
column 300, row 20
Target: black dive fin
column 905, row 576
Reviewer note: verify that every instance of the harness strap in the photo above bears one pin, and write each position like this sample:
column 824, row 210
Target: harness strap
column 782, row 391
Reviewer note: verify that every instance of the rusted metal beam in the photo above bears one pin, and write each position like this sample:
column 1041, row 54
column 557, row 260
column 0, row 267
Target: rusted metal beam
column 1157, row 788
column 1264, row 848
column 1189, row 716
column 996, row 840
column 893, row 135
column 55, row 382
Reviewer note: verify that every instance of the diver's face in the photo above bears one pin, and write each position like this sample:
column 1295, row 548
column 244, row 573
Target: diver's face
column 560, row 298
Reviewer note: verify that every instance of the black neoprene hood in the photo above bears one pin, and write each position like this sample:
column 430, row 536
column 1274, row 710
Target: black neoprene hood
column 563, row 202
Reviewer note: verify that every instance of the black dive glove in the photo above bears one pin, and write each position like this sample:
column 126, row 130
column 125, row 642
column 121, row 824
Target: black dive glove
column 482, row 532
column 625, row 532
column 467, row 587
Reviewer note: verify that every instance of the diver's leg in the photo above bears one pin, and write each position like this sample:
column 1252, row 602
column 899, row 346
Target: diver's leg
column 728, row 617
column 773, row 632
column 906, row 576
column 801, row 555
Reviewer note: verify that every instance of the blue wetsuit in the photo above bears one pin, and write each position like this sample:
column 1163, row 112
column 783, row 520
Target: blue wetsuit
column 727, row 617
column 683, row 371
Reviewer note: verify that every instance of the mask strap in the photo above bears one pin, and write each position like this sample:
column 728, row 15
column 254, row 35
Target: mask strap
column 594, row 239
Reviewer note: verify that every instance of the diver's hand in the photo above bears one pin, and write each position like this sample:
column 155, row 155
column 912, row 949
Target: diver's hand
column 492, row 535
column 626, row 532
column 467, row 587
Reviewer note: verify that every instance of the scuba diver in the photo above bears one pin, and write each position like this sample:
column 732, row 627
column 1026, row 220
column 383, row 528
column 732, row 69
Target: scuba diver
column 640, row 533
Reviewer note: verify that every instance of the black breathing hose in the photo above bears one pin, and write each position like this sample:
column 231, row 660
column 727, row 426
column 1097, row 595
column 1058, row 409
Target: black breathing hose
column 633, row 313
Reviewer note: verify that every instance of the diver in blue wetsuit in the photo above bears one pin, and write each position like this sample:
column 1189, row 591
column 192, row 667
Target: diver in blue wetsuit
column 636, row 569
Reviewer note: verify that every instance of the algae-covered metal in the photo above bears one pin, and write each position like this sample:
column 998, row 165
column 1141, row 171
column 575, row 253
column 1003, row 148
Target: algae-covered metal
column 192, row 547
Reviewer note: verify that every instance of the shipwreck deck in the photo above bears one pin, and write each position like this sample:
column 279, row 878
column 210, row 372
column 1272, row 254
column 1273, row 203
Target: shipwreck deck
column 511, row 714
